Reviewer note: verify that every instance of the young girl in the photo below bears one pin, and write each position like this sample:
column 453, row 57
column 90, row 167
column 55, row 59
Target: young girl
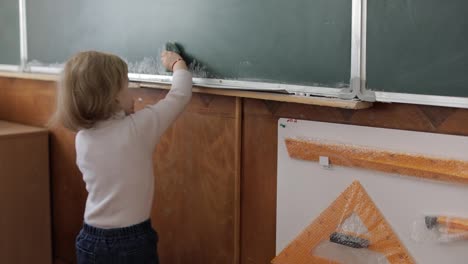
column 114, row 148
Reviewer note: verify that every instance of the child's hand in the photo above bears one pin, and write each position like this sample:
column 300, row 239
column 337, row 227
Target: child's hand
column 172, row 61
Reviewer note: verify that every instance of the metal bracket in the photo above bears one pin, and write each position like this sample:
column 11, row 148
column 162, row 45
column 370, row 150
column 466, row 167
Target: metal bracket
column 23, row 36
column 358, row 82
column 358, row 90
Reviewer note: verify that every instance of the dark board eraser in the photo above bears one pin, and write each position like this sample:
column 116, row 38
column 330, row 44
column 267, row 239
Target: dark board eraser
column 172, row 46
column 179, row 49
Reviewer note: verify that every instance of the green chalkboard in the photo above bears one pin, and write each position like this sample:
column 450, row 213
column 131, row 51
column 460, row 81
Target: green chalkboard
column 9, row 32
column 294, row 41
column 418, row 46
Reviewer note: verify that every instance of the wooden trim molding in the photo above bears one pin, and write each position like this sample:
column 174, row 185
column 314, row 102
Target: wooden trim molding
column 237, row 180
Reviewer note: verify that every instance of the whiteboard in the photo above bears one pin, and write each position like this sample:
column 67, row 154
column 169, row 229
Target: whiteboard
column 305, row 189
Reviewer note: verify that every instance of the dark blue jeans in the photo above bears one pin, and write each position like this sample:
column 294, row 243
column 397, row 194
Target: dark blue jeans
column 135, row 244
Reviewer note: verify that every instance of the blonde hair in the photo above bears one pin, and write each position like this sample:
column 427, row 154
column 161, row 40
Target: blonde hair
column 88, row 90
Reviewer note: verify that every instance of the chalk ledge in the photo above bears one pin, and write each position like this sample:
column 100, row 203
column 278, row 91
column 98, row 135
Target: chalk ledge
column 309, row 100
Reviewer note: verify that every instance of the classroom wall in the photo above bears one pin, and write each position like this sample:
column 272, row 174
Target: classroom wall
column 205, row 157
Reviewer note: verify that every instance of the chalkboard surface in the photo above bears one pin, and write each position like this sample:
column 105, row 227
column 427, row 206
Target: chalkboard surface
column 295, row 41
column 418, row 46
column 9, row 32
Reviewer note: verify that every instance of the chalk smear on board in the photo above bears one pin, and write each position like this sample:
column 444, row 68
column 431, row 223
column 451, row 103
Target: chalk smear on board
column 199, row 70
column 36, row 63
column 148, row 65
column 152, row 65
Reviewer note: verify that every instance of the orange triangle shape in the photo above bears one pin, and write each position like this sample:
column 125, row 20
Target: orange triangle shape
column 354, row 200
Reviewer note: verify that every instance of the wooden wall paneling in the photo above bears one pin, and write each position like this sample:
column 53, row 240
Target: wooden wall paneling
column 237, row 179
column 26, row 101
column 196, row 175
column 258, row 183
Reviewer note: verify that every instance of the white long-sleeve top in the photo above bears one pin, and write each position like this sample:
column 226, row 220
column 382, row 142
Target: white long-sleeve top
column 115, row 158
